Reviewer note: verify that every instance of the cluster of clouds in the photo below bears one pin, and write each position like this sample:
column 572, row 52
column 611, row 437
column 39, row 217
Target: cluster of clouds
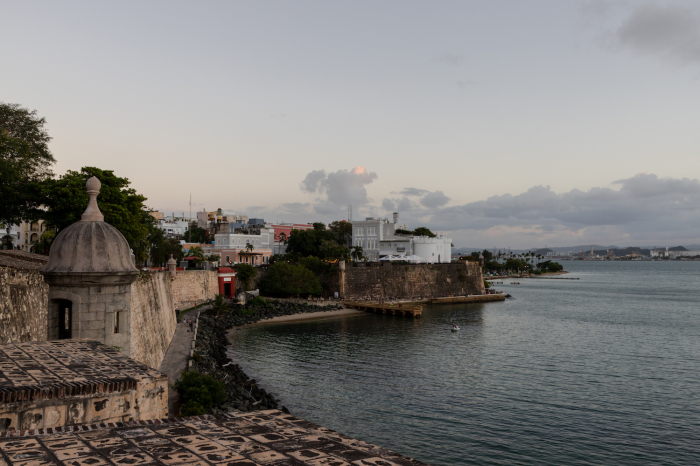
column 668, row 30
column 645, row 208
column 640, row 210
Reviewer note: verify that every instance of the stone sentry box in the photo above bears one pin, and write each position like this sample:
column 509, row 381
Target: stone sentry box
column 89, row 274
column 73, row 382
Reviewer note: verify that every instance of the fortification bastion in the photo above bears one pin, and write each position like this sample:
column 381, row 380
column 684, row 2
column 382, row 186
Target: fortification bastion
column 71, row 382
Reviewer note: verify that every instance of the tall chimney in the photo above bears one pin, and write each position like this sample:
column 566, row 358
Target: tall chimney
column 396, row 217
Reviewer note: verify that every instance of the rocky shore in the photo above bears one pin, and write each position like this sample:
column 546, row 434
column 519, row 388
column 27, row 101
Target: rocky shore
column 243, row 393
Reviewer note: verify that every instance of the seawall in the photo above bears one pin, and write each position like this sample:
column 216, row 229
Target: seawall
column 407, row 281
column 153, row 319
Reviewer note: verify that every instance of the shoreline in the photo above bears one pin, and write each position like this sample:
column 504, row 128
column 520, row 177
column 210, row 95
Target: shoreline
column 319, row 315
column 546, row 274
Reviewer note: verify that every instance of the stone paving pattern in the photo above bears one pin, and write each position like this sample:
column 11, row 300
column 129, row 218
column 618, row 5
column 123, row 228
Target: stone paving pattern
column 61, row 365
column 69, row 382
column 263, row 438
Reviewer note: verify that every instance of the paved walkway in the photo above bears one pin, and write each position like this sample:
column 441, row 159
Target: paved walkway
column 175, row 360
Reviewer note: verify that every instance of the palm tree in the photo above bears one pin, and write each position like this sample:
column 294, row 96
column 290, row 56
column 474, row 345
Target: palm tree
column 197, row 252
column 219, row 306
column 357, row 253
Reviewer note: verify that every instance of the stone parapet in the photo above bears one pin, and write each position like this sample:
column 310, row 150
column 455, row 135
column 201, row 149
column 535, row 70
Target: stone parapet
column 70, row 382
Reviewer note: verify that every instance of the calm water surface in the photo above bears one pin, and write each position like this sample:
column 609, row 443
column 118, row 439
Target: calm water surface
column 601, row 370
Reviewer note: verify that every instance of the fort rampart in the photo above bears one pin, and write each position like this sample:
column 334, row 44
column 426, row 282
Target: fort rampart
column 193, row 287
column 154, row 299
column 407, row 281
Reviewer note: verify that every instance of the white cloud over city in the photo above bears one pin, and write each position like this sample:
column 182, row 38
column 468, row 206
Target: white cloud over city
column 641, row 210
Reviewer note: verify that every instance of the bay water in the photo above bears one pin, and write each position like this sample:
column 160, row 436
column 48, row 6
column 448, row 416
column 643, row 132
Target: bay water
column 600, row 370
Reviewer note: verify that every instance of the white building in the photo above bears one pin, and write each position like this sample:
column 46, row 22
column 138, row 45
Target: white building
column 378, row 239
column 25, row 235
column 174, row 228
column 232, row 247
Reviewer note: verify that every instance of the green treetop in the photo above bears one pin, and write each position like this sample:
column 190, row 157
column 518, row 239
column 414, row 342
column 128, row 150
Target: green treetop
column 25, row 161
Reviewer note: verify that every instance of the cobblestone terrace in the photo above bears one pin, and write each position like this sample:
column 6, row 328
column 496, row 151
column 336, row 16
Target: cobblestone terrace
column 264, row 438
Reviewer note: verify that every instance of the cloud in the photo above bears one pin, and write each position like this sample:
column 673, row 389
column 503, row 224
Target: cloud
column 339, row 188
column 670, row 31
column 402, row 204
column 313, row 181
column 645, row 208
column 435, row 199
column 414, row 192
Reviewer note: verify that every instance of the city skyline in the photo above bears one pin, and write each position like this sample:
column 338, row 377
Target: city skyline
column 505, row 123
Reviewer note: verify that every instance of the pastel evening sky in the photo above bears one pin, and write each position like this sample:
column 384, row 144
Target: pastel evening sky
column 503, row 123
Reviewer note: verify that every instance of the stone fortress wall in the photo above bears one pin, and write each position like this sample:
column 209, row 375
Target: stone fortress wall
column 193, row 287
column 153, row 318
column 386, row 280
column 23, row 297
column 408, row 281
column 24, row 304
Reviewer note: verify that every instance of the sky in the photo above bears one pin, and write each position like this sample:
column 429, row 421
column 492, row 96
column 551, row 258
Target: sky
column 500, row 123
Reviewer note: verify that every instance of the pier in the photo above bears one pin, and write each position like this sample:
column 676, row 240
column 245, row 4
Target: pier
column 401, row 309
column 415, row 308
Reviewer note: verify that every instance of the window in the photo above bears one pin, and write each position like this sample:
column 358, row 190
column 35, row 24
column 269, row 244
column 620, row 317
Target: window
column 228, row 259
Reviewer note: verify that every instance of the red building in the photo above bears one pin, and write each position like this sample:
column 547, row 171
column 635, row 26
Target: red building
column 287, row 229
column 227, row 282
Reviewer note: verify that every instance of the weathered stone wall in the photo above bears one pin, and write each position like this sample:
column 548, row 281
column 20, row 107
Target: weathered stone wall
column 78, row 382
column 406, row 281
column 153, row 318
column 23, row 305
column 192, row 287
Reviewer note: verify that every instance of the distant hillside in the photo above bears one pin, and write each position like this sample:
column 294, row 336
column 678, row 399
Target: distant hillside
column 623, row 251
column 597, row 248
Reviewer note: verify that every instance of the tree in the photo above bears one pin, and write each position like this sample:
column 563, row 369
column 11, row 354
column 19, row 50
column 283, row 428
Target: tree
column 44, row 243
column 357, row 253
column 196, row 234
column 219, row 306
column 160, row 247
column 122, row 207
column 244, row 273
column 284, row 280
column 25, row 161
column 342, row 232
column 423, row 231
column 488, row 256
column 303, row 242
column 199, row 393
column 198, row 254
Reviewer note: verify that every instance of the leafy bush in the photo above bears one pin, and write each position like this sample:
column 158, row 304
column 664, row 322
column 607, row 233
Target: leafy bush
column 284, row 280
column 199, row 393
column 549, row 266
column 244, row 273
column 258, row 301
column 218, row 306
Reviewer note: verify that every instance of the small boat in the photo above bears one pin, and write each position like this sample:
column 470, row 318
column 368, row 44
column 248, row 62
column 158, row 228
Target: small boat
column 455, row 328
